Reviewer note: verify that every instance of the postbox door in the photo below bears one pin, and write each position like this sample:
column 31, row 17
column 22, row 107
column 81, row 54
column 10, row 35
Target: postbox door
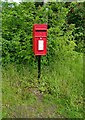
column 40, row 46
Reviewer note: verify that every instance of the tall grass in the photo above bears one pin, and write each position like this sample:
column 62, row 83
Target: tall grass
column 61, row 83
column 65, row 82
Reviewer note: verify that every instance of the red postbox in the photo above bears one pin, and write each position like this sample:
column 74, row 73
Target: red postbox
column 40, row 39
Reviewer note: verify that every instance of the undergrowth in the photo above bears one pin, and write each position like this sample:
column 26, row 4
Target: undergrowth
column 61, row 84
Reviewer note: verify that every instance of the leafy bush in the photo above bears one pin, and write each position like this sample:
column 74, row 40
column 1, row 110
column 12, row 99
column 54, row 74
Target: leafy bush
column 76, row 15
column 17, row 26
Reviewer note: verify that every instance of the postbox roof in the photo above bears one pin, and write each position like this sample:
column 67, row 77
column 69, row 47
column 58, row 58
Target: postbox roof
column 40, row 26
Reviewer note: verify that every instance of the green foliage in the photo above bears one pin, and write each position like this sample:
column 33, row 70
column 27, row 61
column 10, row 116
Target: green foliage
column 76, row 16
column 62, row 67
column 17, row 42
column 60, row 85
column 17, row 26
column 64, row 81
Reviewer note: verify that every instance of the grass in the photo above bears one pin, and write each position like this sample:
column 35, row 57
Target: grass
column 58, row 93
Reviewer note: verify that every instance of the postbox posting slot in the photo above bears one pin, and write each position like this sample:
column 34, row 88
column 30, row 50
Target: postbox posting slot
column 40, row 30
column 40, row 33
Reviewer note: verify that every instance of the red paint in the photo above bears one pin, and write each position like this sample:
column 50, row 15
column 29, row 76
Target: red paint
column 39, row 35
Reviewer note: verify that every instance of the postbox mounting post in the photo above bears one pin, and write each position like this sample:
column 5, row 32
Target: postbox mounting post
column 39, row 66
